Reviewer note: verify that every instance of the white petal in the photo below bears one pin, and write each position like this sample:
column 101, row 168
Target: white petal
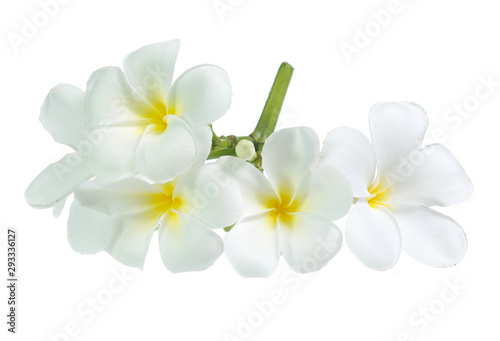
column 62, row 114
column 252, row 246
column 324, row 191
column 201, row 95
column 57, row 181
column 186, row 244
column 119, row 197
column 430, row 237
column 211, row 195
column 112, row 155
column 256, row 189
column 161, row 156
column 203, row 136
column 89, row 231
column 373, row 236
column 397, row 129
column 132, row 236
column 109, row 100
column 308, row 242
column 150, row 69
column 287, row 156
column 434, row 177
column 351, row 153
column 58, row 208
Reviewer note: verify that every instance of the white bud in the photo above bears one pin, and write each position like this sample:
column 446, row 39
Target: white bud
column 246, row 150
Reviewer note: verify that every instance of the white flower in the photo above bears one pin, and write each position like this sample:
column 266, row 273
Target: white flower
column 130, row 121
column 150, row 124
column 120, row 217
column 292, row 212
column 395, row 182
column 62, row 115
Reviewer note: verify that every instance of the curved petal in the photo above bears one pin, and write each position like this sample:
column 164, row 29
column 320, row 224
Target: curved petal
column 252, row 246
column 324, row 191
column 434, row 177
column 373, row 236
column 351, row 153
column 201, row 95
column 89, row 231
column 132, row 236
column 397, row 129
column 150, row 69
column 111, row 155
column 109, row 100
column 256, row 189
column 186, row 244
column 58, row 208
column 287, row 156
column 203, row 136
column 57, row 181
column 62, row 114
column 430, row 237
column 161, row 156
column 308, row 242
column 120, row 197
column 209, row 194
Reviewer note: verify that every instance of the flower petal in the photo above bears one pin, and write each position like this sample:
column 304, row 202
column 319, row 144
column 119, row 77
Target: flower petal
column 324, row 191
column 308, row 241
column 161, row 156
column 58, row 208
column 211, row 195
column 256, row 189
column 150, row 69
column 62, row 114
column 57, row 181
column 351, row 153
column 112, row 154
column 201, row 95
column 252, row 246
column 110, row 101
column 287, row 156
column 373, row 235
column 397, row 129
column 186, row 244
column 89, row 231
column 120, row 197
column 203, row 136
column 434, row 177
column 132, row 236
column 430, row 237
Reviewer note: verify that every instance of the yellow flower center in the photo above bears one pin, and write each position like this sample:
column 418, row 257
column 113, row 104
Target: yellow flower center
column 165, row 201
column 381, row 194
column 282, row 208
column 157, row 115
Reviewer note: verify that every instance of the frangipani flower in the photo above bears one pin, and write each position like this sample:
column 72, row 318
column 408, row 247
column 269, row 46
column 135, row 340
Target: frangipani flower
column 129, row 122
column 150, row 124
column 120, row 217
column 395, row 182
column 292, row 212
column 62, row 115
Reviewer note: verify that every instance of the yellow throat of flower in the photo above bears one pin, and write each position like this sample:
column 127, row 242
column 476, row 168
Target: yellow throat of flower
column 381, row 193
column 282, row 208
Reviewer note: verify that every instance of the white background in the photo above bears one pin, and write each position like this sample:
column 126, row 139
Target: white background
column 431, row 52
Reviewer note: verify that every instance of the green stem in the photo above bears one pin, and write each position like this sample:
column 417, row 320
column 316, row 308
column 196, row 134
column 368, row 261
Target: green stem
column 225, row 145
column 272, row 108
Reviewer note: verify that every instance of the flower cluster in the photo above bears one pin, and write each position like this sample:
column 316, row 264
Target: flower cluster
column 146, row 158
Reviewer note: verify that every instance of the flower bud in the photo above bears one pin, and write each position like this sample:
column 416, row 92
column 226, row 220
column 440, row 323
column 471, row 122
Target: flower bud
column 246, row 150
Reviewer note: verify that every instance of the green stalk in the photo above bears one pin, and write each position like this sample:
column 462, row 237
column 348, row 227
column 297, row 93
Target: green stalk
column 225, row 145
column 272, row 108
